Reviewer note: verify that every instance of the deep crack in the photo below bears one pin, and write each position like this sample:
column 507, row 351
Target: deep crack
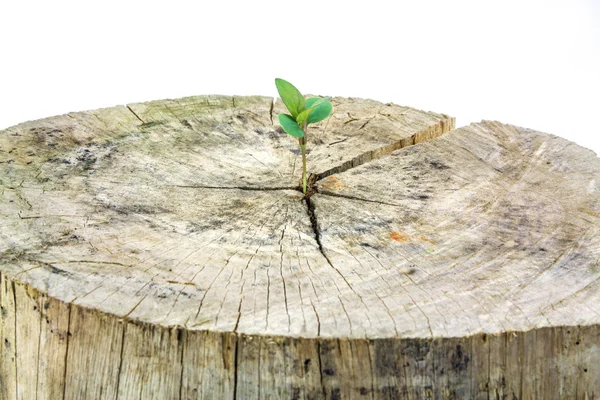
column 120, row 367
column 236, row 361
column 315, row 226
column 424, row 135
column 252, row 188
column 137, row 116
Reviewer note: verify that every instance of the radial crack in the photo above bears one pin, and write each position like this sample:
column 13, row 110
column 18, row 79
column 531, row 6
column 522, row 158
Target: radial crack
column 137, row 116
column 315, row 226
column 431, row 132
column 252, row 188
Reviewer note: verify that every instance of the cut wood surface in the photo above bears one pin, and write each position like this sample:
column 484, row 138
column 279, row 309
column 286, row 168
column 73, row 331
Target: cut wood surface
column 165, row 250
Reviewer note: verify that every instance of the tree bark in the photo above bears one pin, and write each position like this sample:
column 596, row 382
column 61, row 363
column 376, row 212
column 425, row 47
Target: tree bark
column 165, row 250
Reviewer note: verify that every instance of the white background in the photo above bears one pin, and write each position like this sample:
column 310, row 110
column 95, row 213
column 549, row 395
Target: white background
column 529, row 63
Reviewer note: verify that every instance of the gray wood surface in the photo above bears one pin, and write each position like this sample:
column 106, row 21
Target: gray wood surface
column 164, row 250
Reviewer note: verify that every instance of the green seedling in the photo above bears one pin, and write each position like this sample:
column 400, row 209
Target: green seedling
column 302, row 113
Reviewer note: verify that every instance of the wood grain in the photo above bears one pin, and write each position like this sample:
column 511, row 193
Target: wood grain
column 165, row 250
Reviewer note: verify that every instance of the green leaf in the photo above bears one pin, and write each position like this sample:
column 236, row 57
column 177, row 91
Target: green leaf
column 303, row 116
column 322, row 110
column 291, row 97
column 315, row 103
column 289, row 124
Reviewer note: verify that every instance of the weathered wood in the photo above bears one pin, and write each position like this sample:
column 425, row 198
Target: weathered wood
column 164, row 250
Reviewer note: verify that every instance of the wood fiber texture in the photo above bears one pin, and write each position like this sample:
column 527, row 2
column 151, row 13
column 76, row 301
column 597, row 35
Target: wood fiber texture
column 165, row 250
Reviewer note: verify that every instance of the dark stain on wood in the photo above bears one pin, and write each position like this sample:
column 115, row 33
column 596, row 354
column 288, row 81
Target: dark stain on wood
column 459, row 360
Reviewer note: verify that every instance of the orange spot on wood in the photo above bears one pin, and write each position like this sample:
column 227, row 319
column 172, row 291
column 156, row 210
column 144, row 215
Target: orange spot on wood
column 333, row 183
column 399, row 236
column 405, row 237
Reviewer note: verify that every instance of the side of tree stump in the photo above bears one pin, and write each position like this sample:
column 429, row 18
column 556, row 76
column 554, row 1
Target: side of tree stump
column 164, row 250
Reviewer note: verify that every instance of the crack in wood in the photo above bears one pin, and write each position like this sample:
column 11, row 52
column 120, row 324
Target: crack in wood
column 365, row 124
column 182, row 340
column 137, row 116
column 239, row 311
column 315, row 226
column 285, row 299
column 14, row 290
column 316, row 315
column 236, row 368
column 431, row 132
column 337, row 141
column 69, row 307
column 250, row 188
column 120, row 367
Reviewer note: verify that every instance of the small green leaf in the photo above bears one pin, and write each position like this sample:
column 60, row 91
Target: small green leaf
column 315, row 103
column 291, row 97
column 303, row 116
column 322, row 110
column 289, row 124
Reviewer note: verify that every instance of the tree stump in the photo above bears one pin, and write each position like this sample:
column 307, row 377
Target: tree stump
column 164, row 250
